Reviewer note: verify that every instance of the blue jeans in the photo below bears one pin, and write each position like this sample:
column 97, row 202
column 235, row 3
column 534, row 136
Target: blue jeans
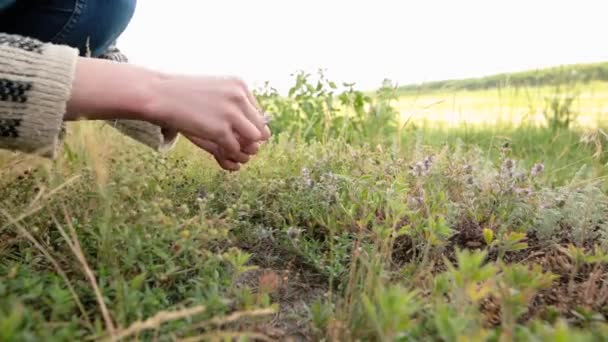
column 89, row 25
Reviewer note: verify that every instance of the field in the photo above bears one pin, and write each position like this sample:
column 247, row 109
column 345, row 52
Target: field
column 508, row 106
column 371, row 217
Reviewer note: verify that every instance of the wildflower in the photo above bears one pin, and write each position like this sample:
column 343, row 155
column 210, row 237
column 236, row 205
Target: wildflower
column 201, row 194
column 537, row 169
column 523, row 191
column 519, row 176
column 507, row 168
column 294, row 232
column 267, row 118
column 264, row 233
column 328, row 177
column 330, row 181
column 416, row 201
column 428, row 163
column 418, row 169
column 305, row 173
column 330, row 184
column 183, row 209
column 422, row 167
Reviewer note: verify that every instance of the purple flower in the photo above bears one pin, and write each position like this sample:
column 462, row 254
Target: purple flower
column 422, row 167
column 508, row 164
column 523, row 191
column 418, row 169
column 537, row 169
column 305, row 173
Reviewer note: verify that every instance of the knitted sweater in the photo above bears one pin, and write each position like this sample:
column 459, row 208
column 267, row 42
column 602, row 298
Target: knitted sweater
column 35, row 85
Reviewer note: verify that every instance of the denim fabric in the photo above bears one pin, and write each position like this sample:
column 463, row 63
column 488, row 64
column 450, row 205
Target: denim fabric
column 6, row 3
column 89, row 25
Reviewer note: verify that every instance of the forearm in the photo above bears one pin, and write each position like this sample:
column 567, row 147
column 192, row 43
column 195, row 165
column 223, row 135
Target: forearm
column 106, row 90
column 42, row 85
column 119, row 94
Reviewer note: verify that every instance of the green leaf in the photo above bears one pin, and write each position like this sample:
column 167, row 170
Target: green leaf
column 515, row 236
column 488, row 236
column 519, row 246
column 137, row 282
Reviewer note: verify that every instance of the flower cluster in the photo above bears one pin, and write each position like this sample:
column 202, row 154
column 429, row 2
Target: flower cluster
column 537, row 169
column 306, row 178
column 422, row 167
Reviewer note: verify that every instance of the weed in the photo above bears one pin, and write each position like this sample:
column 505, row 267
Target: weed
column 347, row 226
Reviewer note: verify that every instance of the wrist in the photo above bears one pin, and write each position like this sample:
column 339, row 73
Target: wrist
column 147, row 97
column 105, row 90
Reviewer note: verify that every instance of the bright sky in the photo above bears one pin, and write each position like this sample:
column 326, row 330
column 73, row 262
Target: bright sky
column 364, row 41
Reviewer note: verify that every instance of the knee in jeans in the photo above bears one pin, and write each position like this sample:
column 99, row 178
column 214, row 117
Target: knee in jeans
column 107, row 20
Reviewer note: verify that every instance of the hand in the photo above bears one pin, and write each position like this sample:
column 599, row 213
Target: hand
column 221, row 112
column 218, row 111
column 220, row 156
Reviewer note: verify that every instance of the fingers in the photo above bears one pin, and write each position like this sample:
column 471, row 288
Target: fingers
column 248, row 147
column 252, row 99
column 227, row 165
column 252, row 110
column 252, row 149
column 247, row 130
column 230, row 144
column 242, row 157
column 266, row 133
column 260, row 122
column 213, row 148
column 216, row 151
column 206, row 145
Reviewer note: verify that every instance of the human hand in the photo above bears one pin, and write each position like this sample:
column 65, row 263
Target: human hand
column 227, row 163
column 220, row 115
column 216, row 114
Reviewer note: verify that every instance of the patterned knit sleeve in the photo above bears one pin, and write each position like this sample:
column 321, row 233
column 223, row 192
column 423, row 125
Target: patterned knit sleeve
column 35, row 85
column 151, row 135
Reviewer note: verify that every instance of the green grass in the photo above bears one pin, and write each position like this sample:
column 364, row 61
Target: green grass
column 358, row 229
column 562, row 152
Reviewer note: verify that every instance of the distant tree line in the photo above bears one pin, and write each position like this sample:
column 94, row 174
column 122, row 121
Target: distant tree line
column 565, row 74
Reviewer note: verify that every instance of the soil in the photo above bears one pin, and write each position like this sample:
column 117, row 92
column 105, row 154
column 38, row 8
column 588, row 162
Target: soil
column 291, row 284
column 295, row 286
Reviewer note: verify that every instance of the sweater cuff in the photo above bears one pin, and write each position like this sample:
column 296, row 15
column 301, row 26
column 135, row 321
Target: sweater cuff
column 36, row 83
column 153, row 136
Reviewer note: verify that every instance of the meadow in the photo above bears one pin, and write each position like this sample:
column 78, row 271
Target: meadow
column 367, row 217
column 513, row 106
